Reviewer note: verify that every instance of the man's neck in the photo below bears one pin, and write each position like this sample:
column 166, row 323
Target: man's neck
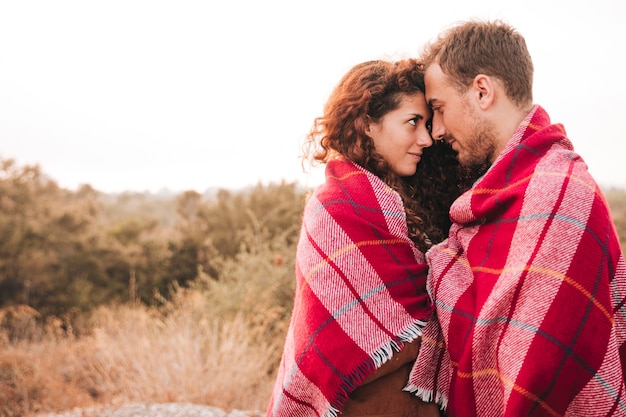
column 508, row 116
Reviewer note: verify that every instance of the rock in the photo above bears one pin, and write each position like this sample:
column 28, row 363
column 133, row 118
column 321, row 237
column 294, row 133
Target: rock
column 155, row 410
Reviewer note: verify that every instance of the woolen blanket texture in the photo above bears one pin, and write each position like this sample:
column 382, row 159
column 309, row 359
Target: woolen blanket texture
column 529, row 290
column 360, row 292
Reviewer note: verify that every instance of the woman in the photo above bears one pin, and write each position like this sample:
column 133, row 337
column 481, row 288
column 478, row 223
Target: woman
column 360, row 299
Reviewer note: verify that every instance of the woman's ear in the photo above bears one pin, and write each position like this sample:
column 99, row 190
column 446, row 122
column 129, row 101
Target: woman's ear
column 367, row 121
column 484, row 87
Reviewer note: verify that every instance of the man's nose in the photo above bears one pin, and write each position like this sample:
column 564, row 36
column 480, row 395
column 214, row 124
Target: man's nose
column 438, row 130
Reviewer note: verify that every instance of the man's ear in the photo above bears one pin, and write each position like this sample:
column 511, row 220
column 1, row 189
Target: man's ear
column 484, row 88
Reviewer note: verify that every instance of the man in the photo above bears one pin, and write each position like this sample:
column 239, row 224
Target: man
column 530, row 286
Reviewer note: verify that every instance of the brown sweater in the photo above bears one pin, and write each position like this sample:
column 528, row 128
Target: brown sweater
column 381, row 394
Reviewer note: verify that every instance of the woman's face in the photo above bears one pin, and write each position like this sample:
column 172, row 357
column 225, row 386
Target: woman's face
column 401, row 135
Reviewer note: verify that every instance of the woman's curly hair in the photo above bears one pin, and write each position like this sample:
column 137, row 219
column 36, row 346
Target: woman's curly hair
column 371, row 90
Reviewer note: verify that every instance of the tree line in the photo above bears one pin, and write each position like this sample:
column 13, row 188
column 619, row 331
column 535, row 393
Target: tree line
column 63, row 250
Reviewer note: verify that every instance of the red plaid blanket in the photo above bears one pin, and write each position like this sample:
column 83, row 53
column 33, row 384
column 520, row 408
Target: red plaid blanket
column 360, row 293
column 529, row 290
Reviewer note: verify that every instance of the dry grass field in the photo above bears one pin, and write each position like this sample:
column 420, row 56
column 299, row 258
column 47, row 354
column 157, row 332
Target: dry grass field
column 181, row 352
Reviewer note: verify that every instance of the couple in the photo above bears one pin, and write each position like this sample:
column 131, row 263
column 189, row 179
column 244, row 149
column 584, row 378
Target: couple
column 479, row 275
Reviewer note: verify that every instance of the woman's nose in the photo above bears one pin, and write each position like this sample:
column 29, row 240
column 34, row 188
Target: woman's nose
column 424, row 139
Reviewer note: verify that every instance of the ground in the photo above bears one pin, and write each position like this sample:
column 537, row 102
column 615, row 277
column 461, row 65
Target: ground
column 156, row 410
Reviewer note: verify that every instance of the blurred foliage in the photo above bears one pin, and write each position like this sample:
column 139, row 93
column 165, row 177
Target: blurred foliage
column 63, row 250
column 617, row 201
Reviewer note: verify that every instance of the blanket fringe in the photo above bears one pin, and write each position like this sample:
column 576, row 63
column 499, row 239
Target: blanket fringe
column 428, row 396
column 332, row 412
column 412, row 332
column 379, row 357
column 408, row 335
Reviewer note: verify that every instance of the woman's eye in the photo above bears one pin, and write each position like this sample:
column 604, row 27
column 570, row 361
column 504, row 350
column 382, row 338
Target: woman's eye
column 429, row 125
column 413, row 121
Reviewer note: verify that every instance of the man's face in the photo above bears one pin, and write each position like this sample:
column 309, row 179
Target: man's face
column 457, row 119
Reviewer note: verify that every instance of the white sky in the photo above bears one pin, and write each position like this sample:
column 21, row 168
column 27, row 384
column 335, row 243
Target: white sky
column 143, row 94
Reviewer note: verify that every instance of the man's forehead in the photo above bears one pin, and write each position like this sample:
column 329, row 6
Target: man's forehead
column 435, row 82
column 433, row 73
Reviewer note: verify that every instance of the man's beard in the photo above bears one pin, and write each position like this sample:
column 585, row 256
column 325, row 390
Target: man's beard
column 479, row 148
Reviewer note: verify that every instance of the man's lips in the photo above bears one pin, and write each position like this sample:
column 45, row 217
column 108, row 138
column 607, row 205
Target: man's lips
column 450, row 142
